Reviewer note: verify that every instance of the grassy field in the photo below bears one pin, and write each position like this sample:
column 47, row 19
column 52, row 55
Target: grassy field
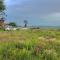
column 32, row 44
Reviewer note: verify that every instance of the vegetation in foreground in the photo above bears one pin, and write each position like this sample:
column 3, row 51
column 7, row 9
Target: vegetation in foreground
column 35, row 44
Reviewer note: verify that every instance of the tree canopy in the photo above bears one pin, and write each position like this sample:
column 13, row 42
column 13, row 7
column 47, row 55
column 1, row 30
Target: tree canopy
column 2, row 6
column 12, row 24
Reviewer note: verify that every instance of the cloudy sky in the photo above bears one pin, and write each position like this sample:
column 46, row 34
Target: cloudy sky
column 37, row 12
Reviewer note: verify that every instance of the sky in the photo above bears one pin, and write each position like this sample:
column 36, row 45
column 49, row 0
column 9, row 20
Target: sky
column 36, row 12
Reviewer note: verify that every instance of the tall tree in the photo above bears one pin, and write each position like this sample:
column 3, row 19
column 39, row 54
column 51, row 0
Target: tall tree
column 2, row 8
column 25, row 22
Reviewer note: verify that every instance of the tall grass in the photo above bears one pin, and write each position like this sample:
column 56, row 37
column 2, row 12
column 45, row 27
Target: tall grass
column 30, row 45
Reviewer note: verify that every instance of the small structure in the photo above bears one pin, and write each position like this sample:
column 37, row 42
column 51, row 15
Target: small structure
column 8, row 27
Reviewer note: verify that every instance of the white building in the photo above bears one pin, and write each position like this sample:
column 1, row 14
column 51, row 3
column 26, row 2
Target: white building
column 8, row 27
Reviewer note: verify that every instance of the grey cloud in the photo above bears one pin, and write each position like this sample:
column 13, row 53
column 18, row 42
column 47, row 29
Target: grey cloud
column 32, row 9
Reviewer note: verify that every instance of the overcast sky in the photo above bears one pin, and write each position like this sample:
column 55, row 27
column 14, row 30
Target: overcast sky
column 37, row 12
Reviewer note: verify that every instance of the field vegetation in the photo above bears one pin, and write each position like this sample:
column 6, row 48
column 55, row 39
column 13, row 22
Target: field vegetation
column 31, row 44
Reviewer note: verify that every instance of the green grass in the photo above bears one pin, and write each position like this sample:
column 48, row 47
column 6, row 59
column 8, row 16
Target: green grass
column 32, row 44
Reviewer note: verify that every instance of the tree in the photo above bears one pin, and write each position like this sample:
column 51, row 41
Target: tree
column 25, row 22
column 2, row 8
column 12, row 24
